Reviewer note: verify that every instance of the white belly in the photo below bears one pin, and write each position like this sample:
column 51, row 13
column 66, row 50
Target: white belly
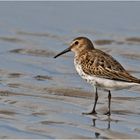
column 103, row 83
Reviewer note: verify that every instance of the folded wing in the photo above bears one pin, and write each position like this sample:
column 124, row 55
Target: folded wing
column 100, row 64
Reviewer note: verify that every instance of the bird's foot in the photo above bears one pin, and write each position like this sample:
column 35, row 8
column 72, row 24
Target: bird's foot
column 107, row 113
column 89, row 113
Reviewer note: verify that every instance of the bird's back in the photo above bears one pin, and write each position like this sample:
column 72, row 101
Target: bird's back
column 98, row 63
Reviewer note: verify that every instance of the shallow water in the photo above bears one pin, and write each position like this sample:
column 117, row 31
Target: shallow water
column 42, row 97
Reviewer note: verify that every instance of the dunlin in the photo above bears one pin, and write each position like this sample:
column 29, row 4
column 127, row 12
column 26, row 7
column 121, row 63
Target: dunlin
column 99, row 69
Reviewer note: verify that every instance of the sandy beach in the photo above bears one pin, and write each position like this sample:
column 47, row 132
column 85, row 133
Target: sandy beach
column 43, row 97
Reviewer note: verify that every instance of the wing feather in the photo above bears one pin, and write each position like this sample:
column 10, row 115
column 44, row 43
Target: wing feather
column 100, row 64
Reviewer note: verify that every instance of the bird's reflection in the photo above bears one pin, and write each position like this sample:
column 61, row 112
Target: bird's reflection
column 97, row 134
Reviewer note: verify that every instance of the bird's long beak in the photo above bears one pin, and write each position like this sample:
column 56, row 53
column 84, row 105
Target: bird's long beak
column 65, row 51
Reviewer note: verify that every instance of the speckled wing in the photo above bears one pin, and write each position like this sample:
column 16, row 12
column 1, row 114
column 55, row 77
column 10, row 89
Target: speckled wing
column 100, row 64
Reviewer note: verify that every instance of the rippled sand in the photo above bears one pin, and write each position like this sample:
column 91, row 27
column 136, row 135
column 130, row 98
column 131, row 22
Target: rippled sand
column 43, row 97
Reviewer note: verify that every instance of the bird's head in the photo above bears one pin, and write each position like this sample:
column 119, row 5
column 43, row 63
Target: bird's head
column 78, row 45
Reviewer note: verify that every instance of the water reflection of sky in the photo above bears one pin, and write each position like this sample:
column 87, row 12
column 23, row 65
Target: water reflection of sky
column 38, row 106
column 63, row 17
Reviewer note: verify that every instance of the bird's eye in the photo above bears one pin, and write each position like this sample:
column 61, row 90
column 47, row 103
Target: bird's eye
column 76, row 43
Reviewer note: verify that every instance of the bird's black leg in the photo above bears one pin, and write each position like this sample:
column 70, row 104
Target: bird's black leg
column 96, row 99
column 109, row 103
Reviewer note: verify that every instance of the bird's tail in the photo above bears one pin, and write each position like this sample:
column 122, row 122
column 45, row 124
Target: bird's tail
column 137, row 81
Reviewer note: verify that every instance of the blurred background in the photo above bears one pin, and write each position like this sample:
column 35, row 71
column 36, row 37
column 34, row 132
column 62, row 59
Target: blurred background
column 43, row 97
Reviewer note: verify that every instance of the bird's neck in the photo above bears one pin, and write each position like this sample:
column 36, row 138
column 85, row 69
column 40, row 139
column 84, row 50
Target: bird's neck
column 80, row 56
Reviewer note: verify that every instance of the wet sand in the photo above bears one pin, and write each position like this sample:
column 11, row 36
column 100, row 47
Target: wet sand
column 43, row 97
column 41, row 101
